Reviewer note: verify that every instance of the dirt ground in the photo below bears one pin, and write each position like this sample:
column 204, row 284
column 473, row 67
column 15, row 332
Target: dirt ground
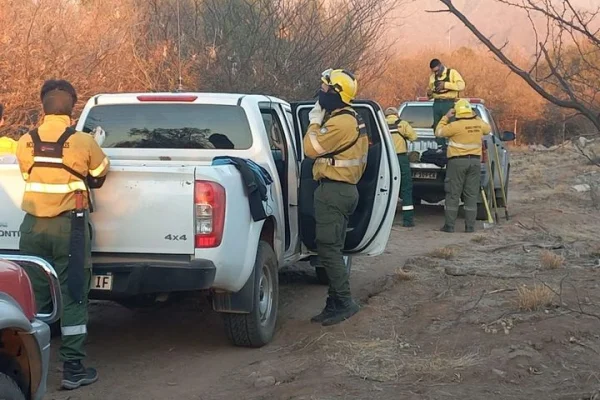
column 510, row 312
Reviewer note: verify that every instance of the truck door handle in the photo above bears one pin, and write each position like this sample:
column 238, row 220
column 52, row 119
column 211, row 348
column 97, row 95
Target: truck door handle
column 382, row 190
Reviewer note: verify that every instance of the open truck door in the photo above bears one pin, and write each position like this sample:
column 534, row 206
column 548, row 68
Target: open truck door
column 370, row 226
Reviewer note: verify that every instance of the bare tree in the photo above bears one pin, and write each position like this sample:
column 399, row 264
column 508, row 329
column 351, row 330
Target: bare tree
column 566, row 68
column 276, row 47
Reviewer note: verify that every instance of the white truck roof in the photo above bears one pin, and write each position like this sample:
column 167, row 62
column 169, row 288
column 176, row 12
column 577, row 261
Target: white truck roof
column 191, row 97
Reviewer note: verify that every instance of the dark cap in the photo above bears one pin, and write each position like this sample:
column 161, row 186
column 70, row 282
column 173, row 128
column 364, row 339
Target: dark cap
column 434, row 63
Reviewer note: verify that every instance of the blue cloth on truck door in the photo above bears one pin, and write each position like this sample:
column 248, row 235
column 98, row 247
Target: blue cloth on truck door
column 255, row 178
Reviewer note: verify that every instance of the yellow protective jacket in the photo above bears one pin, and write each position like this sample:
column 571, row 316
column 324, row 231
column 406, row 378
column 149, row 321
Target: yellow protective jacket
column 51, row 191
column 336, row 133
column 401, row 132
column 464, row 134
column 453, row 84
column 7, row 146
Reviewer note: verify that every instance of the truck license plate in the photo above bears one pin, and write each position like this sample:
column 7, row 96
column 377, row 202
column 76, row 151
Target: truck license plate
column 102, row 282
column 424, row 175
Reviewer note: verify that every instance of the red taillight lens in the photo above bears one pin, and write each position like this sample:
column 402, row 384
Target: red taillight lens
column 209, row 203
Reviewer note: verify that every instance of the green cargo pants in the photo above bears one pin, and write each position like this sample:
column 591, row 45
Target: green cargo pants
column 440, row 108
column 334, row 203
column 49, row 238
column 408, row 210
column 462, row 177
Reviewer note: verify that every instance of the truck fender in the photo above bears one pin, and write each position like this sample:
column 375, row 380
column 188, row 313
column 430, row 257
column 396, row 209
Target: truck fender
column 242, row 301
column 12, row 315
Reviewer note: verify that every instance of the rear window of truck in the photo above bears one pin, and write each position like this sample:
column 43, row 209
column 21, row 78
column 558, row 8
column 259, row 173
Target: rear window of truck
column 421, row 116
column 171, row 126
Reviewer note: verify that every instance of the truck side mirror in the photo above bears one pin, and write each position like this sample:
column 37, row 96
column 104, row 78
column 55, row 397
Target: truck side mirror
column 507, row 136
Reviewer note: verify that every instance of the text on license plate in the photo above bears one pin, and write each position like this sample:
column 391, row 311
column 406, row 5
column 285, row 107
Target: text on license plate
column 424, row 175
column 102, row 282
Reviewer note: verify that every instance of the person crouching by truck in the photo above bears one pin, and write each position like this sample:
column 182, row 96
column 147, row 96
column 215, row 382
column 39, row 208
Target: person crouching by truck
column 58, row 164
column 463, row 171
column 401, row 133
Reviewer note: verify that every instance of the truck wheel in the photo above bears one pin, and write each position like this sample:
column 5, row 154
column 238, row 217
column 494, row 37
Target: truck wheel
column 9, row 390
column 322, row 277
column 257, row 328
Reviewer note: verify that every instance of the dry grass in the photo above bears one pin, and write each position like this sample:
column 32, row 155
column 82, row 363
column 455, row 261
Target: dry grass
column 549, row 260
column 479, row 239
column 534, row 299
column 402, row 275
column 446, row 253
column 385, row 360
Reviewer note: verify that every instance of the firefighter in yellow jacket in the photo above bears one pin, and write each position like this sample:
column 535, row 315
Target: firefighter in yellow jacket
column 445, row 85
column 337, row 140
column 57, row 164
column 402, row 132
column 464, row 157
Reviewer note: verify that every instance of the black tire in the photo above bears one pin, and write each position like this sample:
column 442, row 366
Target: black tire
column 321, row 273
column 257, row 328
column 9, row 390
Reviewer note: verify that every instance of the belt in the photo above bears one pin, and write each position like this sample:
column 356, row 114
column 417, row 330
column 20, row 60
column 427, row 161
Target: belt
column 467, row 156
column 445, row 100
column 402, row 154
column 327, row 180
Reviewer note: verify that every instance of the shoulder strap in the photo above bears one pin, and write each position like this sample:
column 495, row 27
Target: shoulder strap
column 65, row 136
column 448, row 72
column 362, row 130
column 35, row 136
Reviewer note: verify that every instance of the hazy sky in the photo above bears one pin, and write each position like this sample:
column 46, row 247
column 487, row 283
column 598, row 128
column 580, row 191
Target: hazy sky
column 417, row 29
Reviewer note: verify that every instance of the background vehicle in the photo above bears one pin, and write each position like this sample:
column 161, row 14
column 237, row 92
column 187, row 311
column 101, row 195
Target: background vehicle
column 24, row 335
column 428, row 179
column 168, row 220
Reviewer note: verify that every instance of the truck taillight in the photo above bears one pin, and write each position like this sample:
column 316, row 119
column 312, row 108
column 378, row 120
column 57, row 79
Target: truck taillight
column 209, row 203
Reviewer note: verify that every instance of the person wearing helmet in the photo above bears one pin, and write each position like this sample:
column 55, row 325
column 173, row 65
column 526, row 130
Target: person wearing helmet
column 57, row 164
column 464, row 136
column 401, row 132
column 445, row 85
column 337, row 140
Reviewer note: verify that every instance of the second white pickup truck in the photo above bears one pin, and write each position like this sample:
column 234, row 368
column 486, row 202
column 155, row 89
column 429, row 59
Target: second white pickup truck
column 168, row 219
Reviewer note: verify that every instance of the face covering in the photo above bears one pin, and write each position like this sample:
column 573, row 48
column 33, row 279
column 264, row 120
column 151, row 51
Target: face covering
column 330, row 101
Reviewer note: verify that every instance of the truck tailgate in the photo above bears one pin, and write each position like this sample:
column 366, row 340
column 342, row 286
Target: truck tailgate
column 131, row 214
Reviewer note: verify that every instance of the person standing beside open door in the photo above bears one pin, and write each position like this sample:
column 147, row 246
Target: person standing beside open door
column 401, row 132
column 337, row 140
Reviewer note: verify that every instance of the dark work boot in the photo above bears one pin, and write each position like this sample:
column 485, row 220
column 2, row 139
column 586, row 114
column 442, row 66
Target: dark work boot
column 408, row 223
column 448, row 229
column 345, row 308
column 76, row 375
column 330, row 307
column 469, row 229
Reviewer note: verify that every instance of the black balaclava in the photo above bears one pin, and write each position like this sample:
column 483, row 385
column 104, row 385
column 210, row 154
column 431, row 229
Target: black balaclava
column 331, row 101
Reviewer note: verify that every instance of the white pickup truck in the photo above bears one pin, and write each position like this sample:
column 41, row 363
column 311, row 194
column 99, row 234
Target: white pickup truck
column 167, row 220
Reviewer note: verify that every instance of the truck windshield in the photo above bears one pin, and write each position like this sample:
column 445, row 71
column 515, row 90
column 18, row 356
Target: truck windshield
column 171, row 126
